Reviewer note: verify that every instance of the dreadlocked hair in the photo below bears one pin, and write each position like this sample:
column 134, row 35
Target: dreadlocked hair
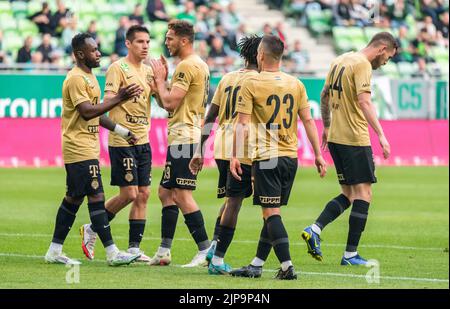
column 248, row 47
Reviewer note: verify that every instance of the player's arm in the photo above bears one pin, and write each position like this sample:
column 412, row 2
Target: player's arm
column 240, row 134
column 196, row 163
column 368, row 109
column 313, row 137
column 126, row 134
column 362, row 77
column 89, row 111
column 325, row 113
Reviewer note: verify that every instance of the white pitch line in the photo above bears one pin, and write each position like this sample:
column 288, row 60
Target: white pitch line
column 324, row 244
column 322, row 274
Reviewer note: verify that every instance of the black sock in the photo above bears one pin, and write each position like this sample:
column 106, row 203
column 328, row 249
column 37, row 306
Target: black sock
column 100, row 222
column 217, row 228
column 332, row 210
column 279, row 238
column 64, row 220
column 196, row 226
column 264, row 244
column 223, row 242
column 137, row 227
column 169, row 220
column 357, row 223
column 110, row 215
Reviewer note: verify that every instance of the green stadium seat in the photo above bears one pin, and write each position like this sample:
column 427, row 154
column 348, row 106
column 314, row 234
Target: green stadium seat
column 7, row 21
column 5, row 7
column 120, row 9
column 406, row 69
column 440, row 54
column 19, row 9
column 34, row 7
column 319, row 22
column 27, row 27
column 104, row 8
column 158, row 29
column 12, row 41
column 391, row 70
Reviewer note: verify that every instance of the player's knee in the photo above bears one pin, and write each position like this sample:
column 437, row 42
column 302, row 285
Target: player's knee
column 144, row 194
column 129, row 194
column 164, row 195
column 74, row 200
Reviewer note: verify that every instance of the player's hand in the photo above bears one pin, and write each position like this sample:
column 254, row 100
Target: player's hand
column 153, row 88
column 235, row 168
column 159, row 72
column 324, row 145
column 131, row 138
column 321, row 166
column 196, row 164
column 130, row 91
column 385, row 145
column 163, row 61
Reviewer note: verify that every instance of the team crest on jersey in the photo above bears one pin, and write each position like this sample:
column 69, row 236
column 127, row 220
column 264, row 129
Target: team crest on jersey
column 88, row 81
column 124, row 67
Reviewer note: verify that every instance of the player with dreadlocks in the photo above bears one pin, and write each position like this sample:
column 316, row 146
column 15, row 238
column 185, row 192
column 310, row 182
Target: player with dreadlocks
column 224, row 106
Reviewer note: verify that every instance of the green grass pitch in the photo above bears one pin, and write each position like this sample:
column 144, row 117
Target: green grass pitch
column 407, row 233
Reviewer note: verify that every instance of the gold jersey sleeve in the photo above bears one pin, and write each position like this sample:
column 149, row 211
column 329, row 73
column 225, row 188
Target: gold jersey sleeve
column 134, row 114
column 80, row 140
column 225, row 97
column 349, row 76
column 185, row 122
column 273, row 100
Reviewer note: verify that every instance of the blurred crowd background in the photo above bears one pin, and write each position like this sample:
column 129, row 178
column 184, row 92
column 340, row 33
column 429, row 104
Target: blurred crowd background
column 36, row 35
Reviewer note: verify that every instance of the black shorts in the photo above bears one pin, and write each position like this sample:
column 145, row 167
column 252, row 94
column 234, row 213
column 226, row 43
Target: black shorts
column 273, row 184
column 83, row 178
column 231, row 187
column 354, row 164
column 176, row 172
column 131, row 166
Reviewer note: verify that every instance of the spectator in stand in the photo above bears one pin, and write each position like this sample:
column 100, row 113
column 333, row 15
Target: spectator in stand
column 218, row 56
column 432, row 8
column 267, row 29
column 202, row 49
column 60, row 19
column 241, row 32
column 24, row 53
column 420, row 46
column 119, row 43
column 156, row 11
column 359, row 13
column 342, row 14
column 404, row 50
column 189, row 12
column 279, row 31
column 46, row 48
column 431, row 29
column 37, row 58
column 443, row 25
column 298, row 58
column 68, row 33
column 397, row 13
column 201, row 27
column 230, row 18
column 42, row 19
column 137, row 18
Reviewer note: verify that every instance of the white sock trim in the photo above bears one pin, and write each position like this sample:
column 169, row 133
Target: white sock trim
column 316, row 229
column 285, row 265
column 349, row 255
column 257, row 262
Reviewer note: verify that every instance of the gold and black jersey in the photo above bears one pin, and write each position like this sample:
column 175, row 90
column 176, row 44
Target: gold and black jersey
column 134, row 114
column 273, row 99
column 350, row 75
column 80, row 140
column 225, row 97
column 185, row 122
